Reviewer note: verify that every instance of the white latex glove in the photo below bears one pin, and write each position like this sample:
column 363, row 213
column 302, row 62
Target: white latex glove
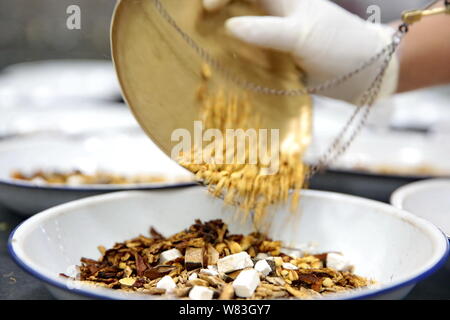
column 325, row 40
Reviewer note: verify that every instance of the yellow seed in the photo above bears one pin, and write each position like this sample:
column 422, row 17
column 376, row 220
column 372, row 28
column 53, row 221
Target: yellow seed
column 278, row 261
column 327, row 282
column 234, row 247
column 293, row 275
column 220, row 247
column 304, row 266
column 122, row 265
column 127, row 281
column 206, row 71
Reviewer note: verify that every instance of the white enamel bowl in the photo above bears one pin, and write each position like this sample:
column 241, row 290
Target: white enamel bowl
column 39, row 82
column 69, row 117
column 387, row 244
column 429, row 199
column 129, row 154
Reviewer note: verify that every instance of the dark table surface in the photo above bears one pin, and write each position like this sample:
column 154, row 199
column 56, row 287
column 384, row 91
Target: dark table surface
column 17, row 284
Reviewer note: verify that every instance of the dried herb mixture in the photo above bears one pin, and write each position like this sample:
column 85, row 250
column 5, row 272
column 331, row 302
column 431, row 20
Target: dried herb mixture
column 76, row 177
column 191, row 264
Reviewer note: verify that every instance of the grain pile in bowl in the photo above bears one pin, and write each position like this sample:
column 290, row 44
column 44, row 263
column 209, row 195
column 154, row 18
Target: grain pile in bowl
column 206, row 262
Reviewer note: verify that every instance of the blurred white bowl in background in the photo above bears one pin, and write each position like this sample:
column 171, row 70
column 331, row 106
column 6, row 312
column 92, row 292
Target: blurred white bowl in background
column 66, row 117
column 429, row 199
column 116, row 153
column 427, row 109
column 41, row 82
column 418, row 146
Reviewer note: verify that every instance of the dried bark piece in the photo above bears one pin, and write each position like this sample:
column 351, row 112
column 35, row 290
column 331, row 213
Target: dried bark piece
column 139, row 283
column 158, row 272
column 213, row 281
column 89, row 261
column 301, row 293
column 181, row 292
column 212, row 255
column 272, row 287
column 231, row 276
column 155, row 234
column 193, row 258
column 227, row 292
column 308, row 278
column 154, row 291
column 322, row 256
column 280, row 294
column 197, row 282
column 141, row 266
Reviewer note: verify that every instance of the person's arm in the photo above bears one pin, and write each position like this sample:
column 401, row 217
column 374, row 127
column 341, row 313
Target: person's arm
column 425, row 54
column 328, row 41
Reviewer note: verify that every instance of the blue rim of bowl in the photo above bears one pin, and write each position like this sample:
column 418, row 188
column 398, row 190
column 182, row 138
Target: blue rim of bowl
column 90, row 294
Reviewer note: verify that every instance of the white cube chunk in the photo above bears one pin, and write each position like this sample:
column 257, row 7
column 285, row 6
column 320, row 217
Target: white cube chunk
column 193, row 276
column 338, row 262
column 234, row 262
column 211, row 271
column 289, row 266
column 213, row 268
column 263, row 267
column 200, row 293
column 169, row 255
column 246, row 283
column 166, row 283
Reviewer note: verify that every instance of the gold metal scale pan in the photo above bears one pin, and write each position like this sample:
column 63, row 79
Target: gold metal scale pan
column 160, row 72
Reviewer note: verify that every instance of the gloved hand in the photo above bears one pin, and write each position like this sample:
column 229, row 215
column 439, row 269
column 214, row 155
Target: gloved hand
column 325, row 40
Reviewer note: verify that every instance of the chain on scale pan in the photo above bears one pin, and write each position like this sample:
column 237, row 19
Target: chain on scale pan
column 358, row 119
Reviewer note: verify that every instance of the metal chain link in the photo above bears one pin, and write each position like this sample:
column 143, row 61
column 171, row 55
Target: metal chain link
column 339, row 145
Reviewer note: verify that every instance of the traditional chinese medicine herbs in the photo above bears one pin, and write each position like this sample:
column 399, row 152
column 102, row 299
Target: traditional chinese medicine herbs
column 205, row 261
